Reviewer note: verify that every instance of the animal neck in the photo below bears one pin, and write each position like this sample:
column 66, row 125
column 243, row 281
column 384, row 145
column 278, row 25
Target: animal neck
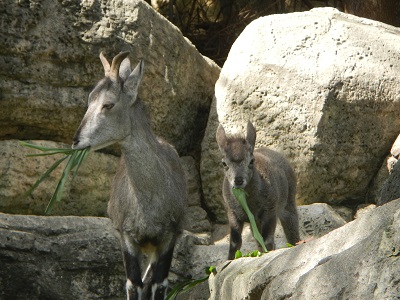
column 141, row 152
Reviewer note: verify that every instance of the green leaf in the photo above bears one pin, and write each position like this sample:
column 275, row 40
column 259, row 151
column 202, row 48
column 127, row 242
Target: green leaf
column 255, row 253
column 240, row 195
column 238, row 254
column 289, row 245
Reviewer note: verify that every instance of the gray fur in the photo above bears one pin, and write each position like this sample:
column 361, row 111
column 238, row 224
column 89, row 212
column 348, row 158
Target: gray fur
column 148, row 195
column 269, row 182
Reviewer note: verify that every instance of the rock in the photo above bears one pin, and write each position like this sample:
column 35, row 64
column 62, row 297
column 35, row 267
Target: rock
column 70, row 258
column 320, row 86
column 391, row 187
column 360, row 260
column 49, row 63
column 59, row 258
column 316, row 220
column 87, row 195
column 79, row 257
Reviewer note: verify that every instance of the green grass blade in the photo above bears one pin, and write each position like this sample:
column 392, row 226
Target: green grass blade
column 45, row 175
column 49, row 153
column 42, row 148
column 57, row 195
column 189, row 284
column 76, row 157
column 240, row 195
column 78, row 161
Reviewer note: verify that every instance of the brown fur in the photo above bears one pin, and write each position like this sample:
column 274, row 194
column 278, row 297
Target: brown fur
column 269, row 182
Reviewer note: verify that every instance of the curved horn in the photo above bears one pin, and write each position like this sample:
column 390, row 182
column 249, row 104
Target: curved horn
column 106, row 64
column 115, row 65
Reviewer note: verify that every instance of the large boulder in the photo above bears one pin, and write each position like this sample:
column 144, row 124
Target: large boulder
column 320, row 86
column 79, row 257
column 49, row 63
column 360, row 260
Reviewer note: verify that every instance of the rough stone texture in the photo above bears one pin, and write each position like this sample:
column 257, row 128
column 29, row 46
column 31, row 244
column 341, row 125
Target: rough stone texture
column 59, row 258
column 360, row 260
column 49, row 63
column 79, row 257
column 87, row 195
column 391, row 188
column 70, row 258
column 196, row 219
column 320, row 86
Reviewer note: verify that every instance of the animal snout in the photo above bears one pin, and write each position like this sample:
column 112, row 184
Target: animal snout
column 238, row 181
column 75, row 141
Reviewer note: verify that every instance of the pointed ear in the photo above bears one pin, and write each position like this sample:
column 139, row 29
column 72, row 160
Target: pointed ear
column 125, row 69
column 251, row 135
column 133, row 81
column 106, row 64
column 221, row 137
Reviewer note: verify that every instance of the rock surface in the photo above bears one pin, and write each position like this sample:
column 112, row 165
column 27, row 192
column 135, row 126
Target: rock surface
column 391, row 187
column 360, row 260
column 49, row 63
column 79, row 257
column 320, row 86
column 88, row 194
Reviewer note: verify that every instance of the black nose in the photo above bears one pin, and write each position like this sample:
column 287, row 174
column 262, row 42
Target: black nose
column 239, row 181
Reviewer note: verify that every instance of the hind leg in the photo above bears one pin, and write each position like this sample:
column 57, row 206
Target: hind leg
column 290, row 223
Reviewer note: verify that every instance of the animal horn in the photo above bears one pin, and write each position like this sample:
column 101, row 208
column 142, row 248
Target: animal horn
column 106, row 64
column 113, row 74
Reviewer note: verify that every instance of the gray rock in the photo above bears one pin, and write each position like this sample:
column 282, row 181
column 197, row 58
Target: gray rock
column 79, row 257
column 59, row 258
column 360, row 260
column 391, row 187
column 320, row 86
column 87, row 195
column 49, row 64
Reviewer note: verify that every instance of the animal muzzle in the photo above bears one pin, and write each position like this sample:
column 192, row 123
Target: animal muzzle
column 239, row 182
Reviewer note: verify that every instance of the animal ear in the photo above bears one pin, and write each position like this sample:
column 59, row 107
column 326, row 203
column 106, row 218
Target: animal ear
column 106, row 64
column 221, row 137
column 251, row 135
column 125, row 69
column 134, row 79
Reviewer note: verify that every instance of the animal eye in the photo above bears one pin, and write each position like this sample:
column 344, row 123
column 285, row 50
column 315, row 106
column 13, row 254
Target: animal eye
column 251, row 164
column 224, row 165
column 108, row 106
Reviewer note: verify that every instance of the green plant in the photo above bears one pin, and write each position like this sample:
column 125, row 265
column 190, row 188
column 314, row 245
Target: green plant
column 189, row 284
column 75, row 159
column 240, row 195
column 254, row 253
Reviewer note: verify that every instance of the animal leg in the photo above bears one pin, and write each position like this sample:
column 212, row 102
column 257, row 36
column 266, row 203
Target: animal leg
column 156, row 283
column 268, row 226
column 134, row 284
column 290, row 223
column 235, row 241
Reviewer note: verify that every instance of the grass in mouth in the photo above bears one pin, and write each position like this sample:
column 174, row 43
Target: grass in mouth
column 74, row 161
column 240, row 195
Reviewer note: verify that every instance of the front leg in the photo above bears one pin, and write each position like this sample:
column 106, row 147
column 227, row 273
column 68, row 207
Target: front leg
column 134, row 284
column 235, row 241
column 268, row 226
